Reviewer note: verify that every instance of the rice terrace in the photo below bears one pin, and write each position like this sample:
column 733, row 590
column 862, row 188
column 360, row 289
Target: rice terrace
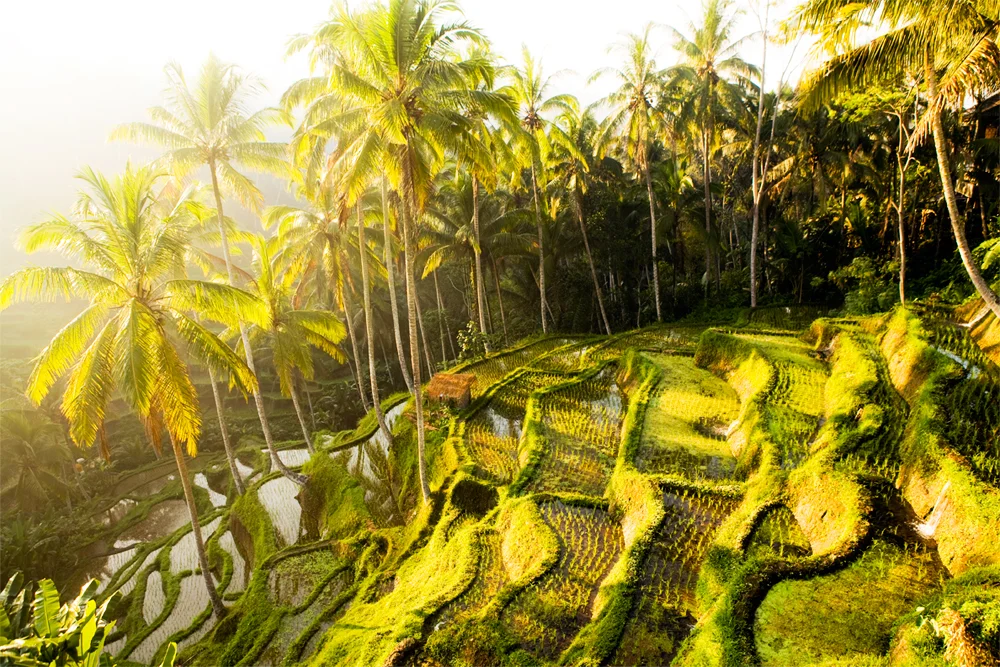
column 424, row 362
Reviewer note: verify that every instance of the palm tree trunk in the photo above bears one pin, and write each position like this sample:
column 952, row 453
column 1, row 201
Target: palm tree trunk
column 312, row 412
column 390, row 273
column 423, row 337
column 707, row 177
column 756, row 182
column 590, row 260
column 900, row 219
column 541, row 249
column 354, row 349
column 957, row 223
column 369, row 333
column 652, row 228
column 479, row 260
column 302, row 418
column 411, row 306
column 199, row 542
column 441, row 318
column 503, row 316
column 245, row 338
column 224, row 430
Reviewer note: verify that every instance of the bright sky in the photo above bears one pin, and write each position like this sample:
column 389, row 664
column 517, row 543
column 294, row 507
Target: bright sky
column 70, row 71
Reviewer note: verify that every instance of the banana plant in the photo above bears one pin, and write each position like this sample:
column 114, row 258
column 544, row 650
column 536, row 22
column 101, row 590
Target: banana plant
column 36, row 630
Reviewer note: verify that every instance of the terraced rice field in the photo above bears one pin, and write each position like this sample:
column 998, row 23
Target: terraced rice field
column 491, row 370
column 547, row 615
column 664, row 615
column 493, row 434
column 687, row 422
column 581, row 424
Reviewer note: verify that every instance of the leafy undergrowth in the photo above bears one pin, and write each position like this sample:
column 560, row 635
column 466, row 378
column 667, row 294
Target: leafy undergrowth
column 673, row 495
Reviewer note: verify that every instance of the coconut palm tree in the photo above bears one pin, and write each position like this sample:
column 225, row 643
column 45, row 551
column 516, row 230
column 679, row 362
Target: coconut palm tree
column 529, row 88
column 129, row 340
column 289, row 332
column 210, row 126
column 316, row 238
column 952, row 44
column 635, row 120
column 401, row 87
column 35, row 460
column 708, row 74
column 571, row 172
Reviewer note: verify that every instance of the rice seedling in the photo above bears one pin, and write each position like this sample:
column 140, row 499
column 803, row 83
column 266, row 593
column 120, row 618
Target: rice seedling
column 663, row 616
column 547, row 615
column 687, row 421
column 493, row 433
column 279, row 499
column 581, row 424
column 778, row 533
column 490, row 370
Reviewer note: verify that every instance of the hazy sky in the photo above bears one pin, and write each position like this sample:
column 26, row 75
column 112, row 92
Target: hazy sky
column 70, row 71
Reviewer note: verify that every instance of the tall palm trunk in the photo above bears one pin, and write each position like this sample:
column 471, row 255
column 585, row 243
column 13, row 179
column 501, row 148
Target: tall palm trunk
column 900, row 218
column 707, row 177
column 479, row 260
column 541, row 248
column 199, row 542
column 423, row 337
column 354, row 349
column 442, row 318
column 369, row 333
column 503, row 316
column 302, row 418
column 411, row 307
column 224, row 430
column 957, row 223
column 590, row 260
column 756, row 183
column 652, row 227
column 245, row 338
column 391, row 273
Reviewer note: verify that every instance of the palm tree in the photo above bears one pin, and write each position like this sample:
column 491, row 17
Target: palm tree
column 634, row 120
column 290, row 333
column 571, row 172
column 710, row 60
column 401, row 86
column 128, row 340
column 529, row 88
column 210, row 126
column 34, row 460
column 952, row 43
column 317, row 238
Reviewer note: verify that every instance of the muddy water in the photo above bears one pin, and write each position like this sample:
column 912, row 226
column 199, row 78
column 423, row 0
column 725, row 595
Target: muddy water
column 145, row 483
column 378, row 439
column 152, row 604
column 279, row 499
column 184, row 554
column 293, row 458
column 240, row 572
column 217, row 499
column 117, row 512
column 127, row 587
column 163, row 519
column 192, row 601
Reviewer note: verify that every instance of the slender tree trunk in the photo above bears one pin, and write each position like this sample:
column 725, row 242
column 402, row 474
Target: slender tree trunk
column 390, row 273
column 503, row 316
column 354, row 349
column 900, row 218
column 224, row 430
column 199, row 542
column 369, row 329
column 423, row 337
column 411, row 306
column 590, row 260
column 652, row 229
column 441, row 318
column 957, row 223
column 757, row 184
column 479, row 261
column 245, row 339
column 541, row 249
column 707, row 177
column 302, row 418
column 309, row 401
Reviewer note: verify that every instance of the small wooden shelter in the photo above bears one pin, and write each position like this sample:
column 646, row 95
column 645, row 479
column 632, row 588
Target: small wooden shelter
column 452, row 389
